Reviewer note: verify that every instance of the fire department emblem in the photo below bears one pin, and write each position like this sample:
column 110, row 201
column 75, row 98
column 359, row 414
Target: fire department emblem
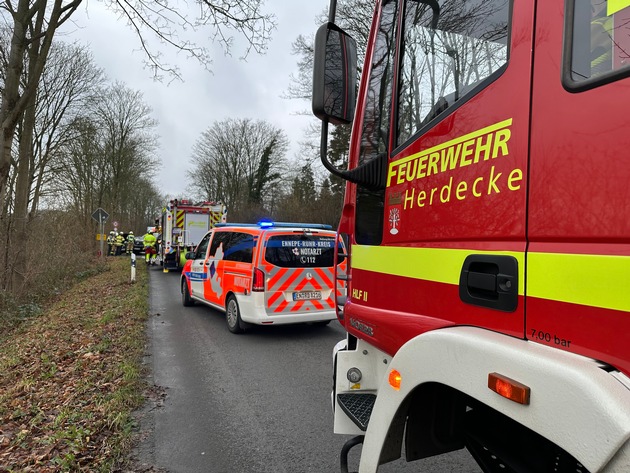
column 394, row 220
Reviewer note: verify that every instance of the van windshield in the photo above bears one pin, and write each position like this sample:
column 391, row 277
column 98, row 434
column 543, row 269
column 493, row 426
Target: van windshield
column 300, row 251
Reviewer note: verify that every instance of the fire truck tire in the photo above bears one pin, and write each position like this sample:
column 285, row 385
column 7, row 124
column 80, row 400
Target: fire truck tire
column 187, row 301
column 233, row 315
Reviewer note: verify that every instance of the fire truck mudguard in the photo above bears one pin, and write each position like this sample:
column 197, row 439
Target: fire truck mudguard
column 571, row 401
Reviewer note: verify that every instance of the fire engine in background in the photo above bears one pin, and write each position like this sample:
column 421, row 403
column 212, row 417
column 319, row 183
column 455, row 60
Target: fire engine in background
column 183, row 226
column 487, row 222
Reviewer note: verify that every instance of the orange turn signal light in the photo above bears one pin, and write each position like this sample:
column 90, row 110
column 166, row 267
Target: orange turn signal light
column 395, row 379
column 508, row 388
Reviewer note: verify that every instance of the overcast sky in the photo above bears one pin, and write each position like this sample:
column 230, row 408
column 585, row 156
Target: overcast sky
column 234, row 89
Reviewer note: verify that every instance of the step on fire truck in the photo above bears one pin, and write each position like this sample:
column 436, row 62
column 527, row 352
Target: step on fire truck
column 487, row 222
column 183, row 226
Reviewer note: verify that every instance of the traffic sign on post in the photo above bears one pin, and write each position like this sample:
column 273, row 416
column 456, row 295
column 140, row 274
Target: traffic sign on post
column 100, row 215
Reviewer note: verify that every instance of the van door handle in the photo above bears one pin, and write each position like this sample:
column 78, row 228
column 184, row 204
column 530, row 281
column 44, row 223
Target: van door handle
column 490, row 281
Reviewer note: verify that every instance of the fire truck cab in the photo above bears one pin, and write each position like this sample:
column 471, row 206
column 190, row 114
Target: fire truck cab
column 487, row 228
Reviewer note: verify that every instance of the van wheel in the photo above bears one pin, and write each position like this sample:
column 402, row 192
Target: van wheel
column 233, row 315
column 187, row 301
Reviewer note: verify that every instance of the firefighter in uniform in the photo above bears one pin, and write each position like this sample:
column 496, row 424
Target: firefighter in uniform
column 110, row 242
column 149, row 241
column 130, row 241
column 120, row 240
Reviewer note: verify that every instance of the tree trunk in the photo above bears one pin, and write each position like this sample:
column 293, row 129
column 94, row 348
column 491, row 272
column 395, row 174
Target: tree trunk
column 9, row 111
column 22, row 191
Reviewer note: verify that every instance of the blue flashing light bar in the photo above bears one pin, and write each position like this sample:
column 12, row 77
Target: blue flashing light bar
column 270, row 224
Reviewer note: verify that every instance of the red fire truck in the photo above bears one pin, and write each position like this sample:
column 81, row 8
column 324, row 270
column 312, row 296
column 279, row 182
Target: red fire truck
column 183, row 225
column 487, row 228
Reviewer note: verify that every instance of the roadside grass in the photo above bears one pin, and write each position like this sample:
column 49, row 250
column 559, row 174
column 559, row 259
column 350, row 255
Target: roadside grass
column 71, row 376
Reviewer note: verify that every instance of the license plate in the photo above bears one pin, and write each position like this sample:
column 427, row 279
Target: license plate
column 307, row 296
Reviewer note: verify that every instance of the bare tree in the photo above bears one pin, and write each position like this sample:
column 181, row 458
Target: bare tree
column 169, row 23
column 147, row 202
column 110, row 163
column 68, row 85
column 127, row 136
column 82, row 177
column 32, row 26
column 63, row 85
column 239, row 162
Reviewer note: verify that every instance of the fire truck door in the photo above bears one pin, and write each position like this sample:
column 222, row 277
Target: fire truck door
column 454, row 222
column 197, row 270
column 213, row 284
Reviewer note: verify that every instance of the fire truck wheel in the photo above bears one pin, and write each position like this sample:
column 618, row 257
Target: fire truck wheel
column 187, row 301
column 233, row 315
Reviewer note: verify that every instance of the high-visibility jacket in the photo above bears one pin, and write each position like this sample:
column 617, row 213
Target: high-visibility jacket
column 149, row 240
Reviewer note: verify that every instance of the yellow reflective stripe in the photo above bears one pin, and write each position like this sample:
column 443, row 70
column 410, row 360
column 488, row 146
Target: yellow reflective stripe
column 430, row 264
column 614, row 6
column 593, row 280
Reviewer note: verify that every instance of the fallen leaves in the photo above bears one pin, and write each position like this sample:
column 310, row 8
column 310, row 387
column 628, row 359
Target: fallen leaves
column 71, row 377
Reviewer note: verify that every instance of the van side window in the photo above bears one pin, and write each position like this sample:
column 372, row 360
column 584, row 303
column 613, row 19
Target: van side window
column 217, row 240
column 240, row 248
column 599, row 42
column 446, row 55
column 202, row 247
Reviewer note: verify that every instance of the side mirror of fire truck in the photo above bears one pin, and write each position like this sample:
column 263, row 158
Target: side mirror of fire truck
column 334, row 99
column 334, row 75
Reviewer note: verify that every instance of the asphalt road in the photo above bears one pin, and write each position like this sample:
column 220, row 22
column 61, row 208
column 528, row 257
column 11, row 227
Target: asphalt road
column 252, row 403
